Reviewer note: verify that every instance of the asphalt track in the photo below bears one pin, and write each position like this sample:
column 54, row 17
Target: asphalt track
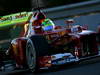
column 87, row 67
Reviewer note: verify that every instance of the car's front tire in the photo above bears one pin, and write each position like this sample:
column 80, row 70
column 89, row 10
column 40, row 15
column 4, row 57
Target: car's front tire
column 31, row 55
column 37, row 46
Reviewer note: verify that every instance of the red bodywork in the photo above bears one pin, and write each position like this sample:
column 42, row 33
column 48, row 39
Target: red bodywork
column 76, row 40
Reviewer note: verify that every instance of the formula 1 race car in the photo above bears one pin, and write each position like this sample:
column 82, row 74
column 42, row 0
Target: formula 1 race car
column 43, row 44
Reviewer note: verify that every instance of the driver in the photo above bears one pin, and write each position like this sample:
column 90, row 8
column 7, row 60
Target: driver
column 38, row 23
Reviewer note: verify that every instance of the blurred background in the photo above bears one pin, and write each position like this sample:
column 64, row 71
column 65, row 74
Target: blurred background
column 14, row 6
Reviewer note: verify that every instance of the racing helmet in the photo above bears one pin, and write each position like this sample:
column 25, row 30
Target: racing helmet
column 48, row 25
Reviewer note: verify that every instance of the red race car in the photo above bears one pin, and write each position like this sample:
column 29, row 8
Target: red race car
column 43, row 44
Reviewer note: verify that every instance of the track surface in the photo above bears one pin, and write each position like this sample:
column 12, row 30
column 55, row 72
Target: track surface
column 87, row 67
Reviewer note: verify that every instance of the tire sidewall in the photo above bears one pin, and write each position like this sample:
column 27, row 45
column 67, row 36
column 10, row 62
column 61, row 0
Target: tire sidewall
column 31, row 44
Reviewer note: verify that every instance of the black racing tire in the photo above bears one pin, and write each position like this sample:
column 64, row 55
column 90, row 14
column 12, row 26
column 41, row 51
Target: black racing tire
column 36, row 46
column 30, row 55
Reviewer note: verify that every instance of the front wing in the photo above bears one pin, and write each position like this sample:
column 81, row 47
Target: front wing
column 63, row 59
column 57, row 59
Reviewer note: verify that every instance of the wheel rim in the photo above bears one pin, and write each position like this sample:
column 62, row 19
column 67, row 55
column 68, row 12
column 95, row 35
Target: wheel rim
column 31, row 55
